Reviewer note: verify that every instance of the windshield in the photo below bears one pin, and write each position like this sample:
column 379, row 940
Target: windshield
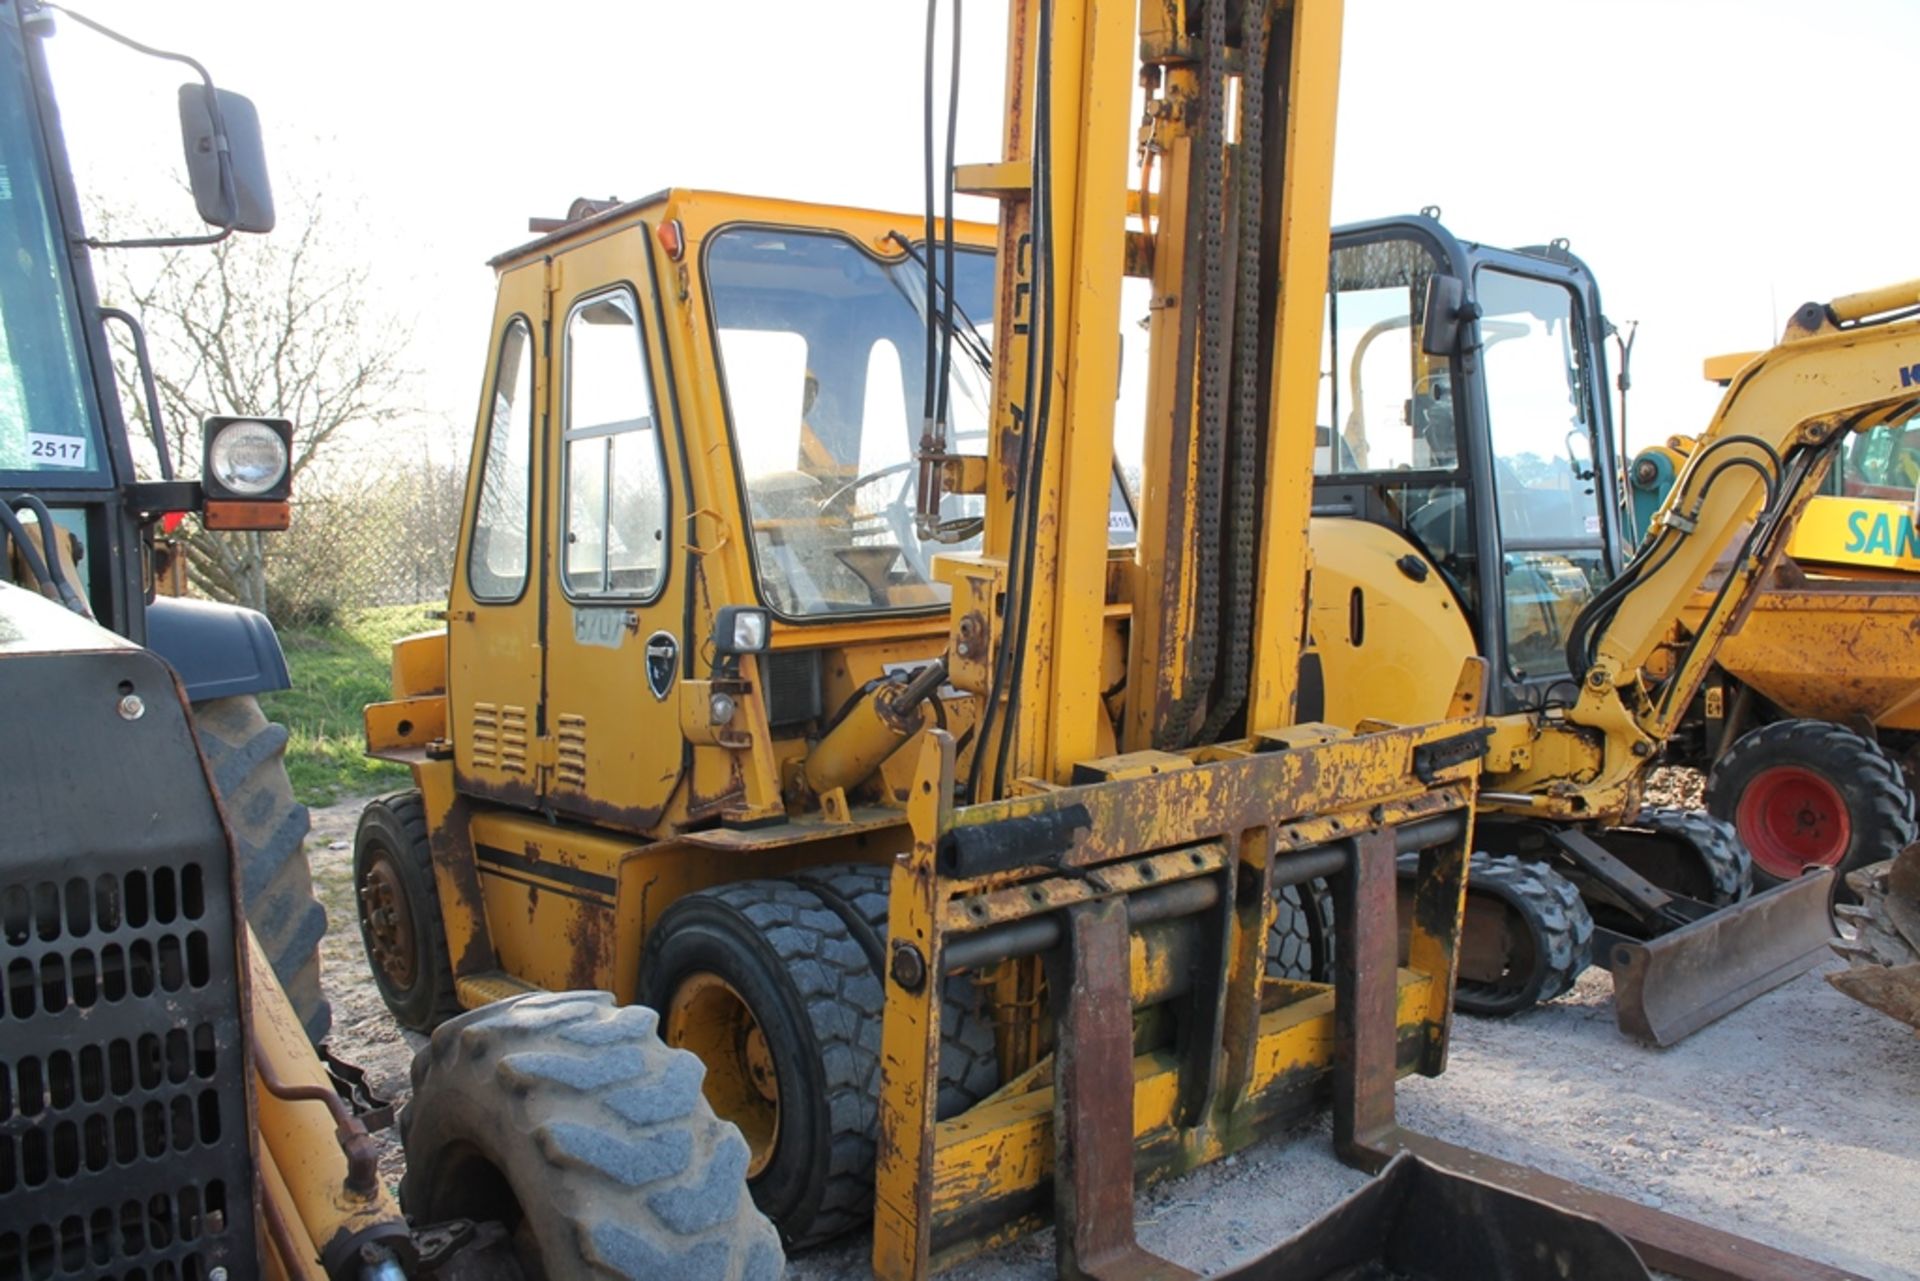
column 44, row 424
column 1546, row 484
column 822, row 357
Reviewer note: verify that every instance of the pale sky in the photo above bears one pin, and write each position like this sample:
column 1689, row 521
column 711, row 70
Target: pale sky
column 1716, row 162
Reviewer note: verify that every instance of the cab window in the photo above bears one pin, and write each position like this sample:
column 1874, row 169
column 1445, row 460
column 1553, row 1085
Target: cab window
column 612, row 465
column 497, row 554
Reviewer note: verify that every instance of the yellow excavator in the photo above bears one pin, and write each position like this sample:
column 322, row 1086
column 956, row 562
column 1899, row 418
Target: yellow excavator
column 1813, row 762
column 1465, row 502
column 809, row 678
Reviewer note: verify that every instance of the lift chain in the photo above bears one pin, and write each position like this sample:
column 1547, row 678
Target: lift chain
column 1249, row 163
column 1204, row 638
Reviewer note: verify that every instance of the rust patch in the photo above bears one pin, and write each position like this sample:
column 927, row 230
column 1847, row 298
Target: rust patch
column 451, row 845
column 589, row 945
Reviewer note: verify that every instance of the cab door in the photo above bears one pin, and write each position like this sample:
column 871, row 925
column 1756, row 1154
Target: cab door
column 613, row 621
column 493, row 604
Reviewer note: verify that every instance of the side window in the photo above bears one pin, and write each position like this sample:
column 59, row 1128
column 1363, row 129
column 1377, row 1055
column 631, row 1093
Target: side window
column 1384, row 405
column 497, row 556
column 614, row 468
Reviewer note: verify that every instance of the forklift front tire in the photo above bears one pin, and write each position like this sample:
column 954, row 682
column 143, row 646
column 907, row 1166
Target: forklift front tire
column 399, row 910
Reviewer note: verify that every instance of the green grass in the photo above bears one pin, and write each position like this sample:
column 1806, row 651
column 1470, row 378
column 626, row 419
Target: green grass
column 337, row 671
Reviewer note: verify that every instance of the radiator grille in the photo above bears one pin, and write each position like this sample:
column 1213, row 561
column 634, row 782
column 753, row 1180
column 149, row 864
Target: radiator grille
column 122, row 1116
column 792, row 678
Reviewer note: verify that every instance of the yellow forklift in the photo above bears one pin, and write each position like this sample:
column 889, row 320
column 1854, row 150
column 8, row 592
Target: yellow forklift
column 808, row 679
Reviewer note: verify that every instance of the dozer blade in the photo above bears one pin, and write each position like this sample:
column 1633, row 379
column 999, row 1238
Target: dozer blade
column 1667, row 988
column 1419, row 1222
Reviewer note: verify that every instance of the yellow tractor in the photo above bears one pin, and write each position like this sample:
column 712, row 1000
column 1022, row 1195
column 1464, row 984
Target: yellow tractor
column 809, row 678
column 164, row 1113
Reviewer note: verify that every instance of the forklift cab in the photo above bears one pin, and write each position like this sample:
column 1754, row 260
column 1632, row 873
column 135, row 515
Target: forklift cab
column 1462, row 406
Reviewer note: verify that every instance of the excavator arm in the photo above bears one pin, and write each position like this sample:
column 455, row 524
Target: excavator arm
column 1845, row 366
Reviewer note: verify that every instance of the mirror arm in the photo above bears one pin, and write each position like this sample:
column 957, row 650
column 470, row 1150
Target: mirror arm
column 228, row 185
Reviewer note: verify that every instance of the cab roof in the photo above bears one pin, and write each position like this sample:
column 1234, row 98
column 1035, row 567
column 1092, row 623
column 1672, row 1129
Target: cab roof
column 700, row 211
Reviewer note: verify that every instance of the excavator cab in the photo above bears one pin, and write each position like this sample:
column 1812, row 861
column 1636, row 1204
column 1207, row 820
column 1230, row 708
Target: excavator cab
column 1467, row 503
column 1481, row 436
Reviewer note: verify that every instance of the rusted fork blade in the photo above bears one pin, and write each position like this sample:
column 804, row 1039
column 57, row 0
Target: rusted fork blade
column 1670, row 987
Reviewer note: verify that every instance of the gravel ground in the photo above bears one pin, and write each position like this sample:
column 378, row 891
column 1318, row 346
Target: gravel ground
column 1795, row 1120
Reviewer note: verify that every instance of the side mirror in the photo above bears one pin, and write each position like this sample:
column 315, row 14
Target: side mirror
column 216, row 123
column 1441, row 315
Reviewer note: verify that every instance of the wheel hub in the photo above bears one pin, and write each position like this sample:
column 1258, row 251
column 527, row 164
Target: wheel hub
column 1793, row 819
column 708, row 1017
column 388, row 919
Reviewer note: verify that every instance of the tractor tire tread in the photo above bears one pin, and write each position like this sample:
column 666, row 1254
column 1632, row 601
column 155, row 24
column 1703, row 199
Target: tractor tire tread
column 1300, row 938
column 600, row 1129
column 1714, row 839
column 246, row 755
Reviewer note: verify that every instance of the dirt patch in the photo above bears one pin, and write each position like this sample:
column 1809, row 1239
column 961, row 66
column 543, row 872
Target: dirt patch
column 1795, row 1120
column 1678, row 787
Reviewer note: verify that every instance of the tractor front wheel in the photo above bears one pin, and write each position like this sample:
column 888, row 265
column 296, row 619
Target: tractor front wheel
column 1526, row 938
column 567, row 1122
column 247, row 754
column 1806, row 794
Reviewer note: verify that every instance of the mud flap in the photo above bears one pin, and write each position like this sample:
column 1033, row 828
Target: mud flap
column 1418, row 1220
column 1667, row 988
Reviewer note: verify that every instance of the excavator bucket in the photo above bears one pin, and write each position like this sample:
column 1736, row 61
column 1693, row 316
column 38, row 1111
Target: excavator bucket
column 1420, row 1222
column 1666, row 988
column 1883, row 956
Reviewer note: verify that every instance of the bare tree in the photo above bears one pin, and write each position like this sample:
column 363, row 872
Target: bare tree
column 286, row 325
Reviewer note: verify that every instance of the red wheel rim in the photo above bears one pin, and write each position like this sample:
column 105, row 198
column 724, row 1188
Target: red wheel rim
column 1792, row 819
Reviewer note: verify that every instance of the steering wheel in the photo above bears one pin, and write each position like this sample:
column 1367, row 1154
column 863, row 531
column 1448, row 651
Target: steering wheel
column 898, row 514
column 862, row 481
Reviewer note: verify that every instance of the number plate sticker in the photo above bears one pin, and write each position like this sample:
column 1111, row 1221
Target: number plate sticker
column 47, row 450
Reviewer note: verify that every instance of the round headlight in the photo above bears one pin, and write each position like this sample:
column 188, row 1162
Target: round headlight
column 247, row 458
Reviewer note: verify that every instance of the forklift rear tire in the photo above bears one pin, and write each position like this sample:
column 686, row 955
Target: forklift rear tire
column 1300, row 940
column 399, row 909
column 1549, row 933
column 770, row 987
column 568, row 1122
column 247, row 755
column 969, row 1066
column 1804, row 794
